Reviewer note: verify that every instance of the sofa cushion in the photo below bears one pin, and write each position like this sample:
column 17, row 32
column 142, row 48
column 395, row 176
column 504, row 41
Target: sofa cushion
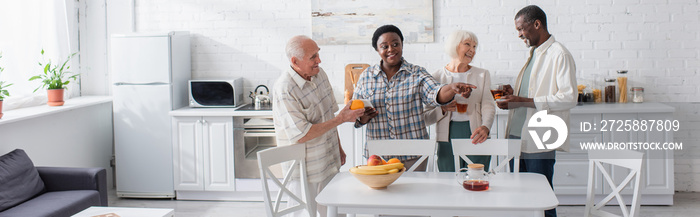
column 20, row 180
column 55, row 203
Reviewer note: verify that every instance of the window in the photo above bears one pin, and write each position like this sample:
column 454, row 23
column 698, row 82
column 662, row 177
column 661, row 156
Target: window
column 27, row 27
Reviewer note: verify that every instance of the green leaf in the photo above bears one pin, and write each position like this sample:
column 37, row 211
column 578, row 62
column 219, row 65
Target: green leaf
column 54, row 76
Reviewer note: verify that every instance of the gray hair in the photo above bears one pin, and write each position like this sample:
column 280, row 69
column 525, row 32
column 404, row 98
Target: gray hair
column 457, row 37
column 294, row 46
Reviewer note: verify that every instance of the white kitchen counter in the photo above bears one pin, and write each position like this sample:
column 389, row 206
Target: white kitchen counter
column 599, row 108
column 648, row 107
column 220, row 112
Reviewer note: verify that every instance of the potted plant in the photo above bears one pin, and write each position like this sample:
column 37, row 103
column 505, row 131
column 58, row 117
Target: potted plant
column 54, row 80
column 3, row 91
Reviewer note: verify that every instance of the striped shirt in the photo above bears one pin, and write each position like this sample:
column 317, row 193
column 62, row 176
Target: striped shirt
column 399, row 102
column 298, row 104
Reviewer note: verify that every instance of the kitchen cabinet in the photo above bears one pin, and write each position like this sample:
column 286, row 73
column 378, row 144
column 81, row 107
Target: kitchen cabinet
column 205, row 168
column 204, row 158
column 657, row 168
column 203, row 153
column 571, row 168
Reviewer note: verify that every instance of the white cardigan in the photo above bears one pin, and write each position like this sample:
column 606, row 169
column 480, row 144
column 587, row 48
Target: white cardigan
column 481, row 106
column 552, row 87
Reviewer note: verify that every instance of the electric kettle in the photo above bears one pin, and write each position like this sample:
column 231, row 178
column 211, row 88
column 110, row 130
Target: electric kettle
column 261, row 99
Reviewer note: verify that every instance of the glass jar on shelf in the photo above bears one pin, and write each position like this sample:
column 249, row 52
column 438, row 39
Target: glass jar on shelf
column 637, row 94
column 588, row 96
column 597, row 88
column 610, row 90
column 622, row 86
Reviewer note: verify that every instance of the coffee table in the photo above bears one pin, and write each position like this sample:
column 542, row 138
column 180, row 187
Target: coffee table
column 125, row 212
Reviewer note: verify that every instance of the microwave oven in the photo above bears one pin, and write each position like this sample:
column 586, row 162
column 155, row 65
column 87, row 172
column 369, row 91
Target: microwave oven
column 216, row 92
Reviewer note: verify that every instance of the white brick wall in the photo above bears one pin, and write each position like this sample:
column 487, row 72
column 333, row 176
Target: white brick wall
column 657, row 40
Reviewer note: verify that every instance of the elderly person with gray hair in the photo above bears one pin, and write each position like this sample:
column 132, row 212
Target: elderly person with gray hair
column 474, row 118
column 303, row 111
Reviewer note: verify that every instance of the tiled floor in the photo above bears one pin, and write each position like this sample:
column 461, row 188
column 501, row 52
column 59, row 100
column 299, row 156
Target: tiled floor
column 686, row 204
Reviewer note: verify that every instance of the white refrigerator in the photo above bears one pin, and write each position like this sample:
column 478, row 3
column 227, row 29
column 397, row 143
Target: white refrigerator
column 149, row 76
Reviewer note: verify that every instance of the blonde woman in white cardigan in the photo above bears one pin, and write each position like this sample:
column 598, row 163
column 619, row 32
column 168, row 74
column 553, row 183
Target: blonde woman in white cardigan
column 476, row 122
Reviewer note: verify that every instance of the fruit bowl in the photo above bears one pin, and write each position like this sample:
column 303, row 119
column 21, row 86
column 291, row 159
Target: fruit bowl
column 378, row 181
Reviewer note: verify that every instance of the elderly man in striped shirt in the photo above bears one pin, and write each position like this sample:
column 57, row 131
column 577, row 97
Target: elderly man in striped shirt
column 303, row 108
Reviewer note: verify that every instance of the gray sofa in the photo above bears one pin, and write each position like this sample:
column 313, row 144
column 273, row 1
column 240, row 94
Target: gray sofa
column 30, row 191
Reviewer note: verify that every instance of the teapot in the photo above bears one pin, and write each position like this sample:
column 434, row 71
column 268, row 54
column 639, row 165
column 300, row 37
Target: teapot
column 475, row 179
column 261, row 99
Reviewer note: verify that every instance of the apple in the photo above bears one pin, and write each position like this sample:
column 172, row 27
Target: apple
column 374, row 160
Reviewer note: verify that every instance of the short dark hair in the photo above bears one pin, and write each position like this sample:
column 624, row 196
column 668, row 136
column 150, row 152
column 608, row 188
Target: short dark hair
column 384, row 29
column 531, row 13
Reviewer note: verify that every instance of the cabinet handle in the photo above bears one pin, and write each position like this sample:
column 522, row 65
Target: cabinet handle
column 204, row 122
column 198, row 121
column 568, row 174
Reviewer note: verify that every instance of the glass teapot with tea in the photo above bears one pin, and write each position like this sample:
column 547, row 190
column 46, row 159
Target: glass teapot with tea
column 473, row 178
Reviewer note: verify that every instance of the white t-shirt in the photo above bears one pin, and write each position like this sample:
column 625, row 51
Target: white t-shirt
column 460, row 77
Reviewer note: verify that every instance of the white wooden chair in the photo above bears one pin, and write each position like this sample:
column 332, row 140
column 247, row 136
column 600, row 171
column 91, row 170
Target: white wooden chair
column 631, row 160
column 425, row 148
column 295, row 155
column 506, row 148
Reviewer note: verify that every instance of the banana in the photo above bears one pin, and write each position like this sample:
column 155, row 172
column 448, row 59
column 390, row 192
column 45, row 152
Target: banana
column 377, row 170
column 372, row 168
column 358, row 170
column 385, row 166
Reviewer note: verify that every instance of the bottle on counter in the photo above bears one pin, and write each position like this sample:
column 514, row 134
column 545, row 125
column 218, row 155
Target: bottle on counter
column 622, row 85
column 610, row 90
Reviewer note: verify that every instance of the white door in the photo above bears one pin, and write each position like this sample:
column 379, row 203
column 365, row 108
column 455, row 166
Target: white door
column 218, row 151
column 143, row 148
column 188, row 162
column 140, row 60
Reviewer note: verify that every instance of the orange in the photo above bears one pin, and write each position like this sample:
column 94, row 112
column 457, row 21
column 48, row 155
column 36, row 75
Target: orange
column 393, row 160
column 357, row 104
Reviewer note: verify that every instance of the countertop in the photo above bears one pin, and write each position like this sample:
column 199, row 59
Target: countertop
column 599, row 108
column 231, row 111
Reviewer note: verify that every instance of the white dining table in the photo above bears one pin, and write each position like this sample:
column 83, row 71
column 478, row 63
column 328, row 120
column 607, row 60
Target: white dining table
column 440, row 194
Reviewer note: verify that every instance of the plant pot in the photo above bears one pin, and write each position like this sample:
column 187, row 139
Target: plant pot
column 55, row 97
column 0, row 109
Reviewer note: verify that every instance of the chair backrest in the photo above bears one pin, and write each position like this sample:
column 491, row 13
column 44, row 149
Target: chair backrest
column 506, row 148
column 295, row 155
column 425, row 148
column 631, row 160
column 352, row 74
